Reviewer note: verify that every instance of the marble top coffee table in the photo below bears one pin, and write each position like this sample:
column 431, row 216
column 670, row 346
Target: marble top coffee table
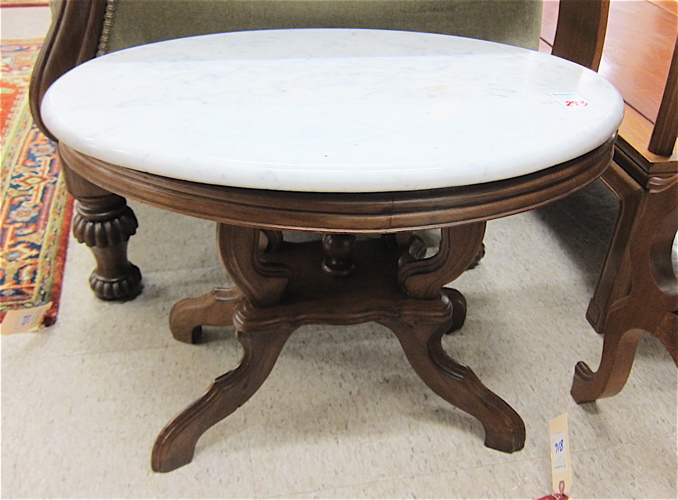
column 339, row 132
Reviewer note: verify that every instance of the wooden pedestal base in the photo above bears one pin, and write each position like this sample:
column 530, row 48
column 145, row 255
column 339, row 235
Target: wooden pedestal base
column 290, row 285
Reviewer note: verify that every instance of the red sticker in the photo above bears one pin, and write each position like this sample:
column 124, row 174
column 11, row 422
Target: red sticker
column 570, row 99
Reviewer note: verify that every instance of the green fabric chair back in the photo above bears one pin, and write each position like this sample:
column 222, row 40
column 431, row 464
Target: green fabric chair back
column 136, row 22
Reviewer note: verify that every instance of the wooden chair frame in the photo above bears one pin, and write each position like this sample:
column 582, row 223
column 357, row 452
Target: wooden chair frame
column 637, row 291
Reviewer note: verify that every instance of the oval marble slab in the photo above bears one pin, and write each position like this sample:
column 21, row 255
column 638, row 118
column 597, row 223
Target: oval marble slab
column 332, row 110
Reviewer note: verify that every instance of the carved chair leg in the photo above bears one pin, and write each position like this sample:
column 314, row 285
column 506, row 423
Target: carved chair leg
column 614, row 281
column 212, row 309
column 104, row 222
column 643, row 295
column 175, row 445
column 457, row 384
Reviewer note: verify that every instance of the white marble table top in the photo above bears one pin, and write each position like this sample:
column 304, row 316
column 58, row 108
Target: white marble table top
column 332, row 110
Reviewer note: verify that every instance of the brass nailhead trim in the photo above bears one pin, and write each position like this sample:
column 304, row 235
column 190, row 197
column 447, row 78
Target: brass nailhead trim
column 106, row 31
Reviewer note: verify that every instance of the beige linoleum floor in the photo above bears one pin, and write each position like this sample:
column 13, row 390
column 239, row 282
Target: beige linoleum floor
column 342, row 415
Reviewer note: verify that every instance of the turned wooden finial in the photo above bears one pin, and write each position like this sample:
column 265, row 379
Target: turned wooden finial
column 338, row 248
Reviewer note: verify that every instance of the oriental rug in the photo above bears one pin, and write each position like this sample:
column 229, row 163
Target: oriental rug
column 36, row 208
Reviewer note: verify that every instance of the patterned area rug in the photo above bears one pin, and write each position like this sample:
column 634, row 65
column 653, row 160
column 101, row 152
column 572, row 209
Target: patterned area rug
column 23, row 3
column 36, row 209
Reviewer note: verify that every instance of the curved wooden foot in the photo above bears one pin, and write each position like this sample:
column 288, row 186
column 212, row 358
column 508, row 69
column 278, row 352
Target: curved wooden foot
column 619, row 349
column 212, row 309
column 458, row 308
column 175, row 445
column 458, row 385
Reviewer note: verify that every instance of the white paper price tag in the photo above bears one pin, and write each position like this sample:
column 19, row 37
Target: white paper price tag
column 561, row 467
column 23, row 320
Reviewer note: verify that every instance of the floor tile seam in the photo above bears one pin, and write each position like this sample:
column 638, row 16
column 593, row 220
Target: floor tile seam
column 88, row 353
column 576, row 222
column 512, row 460
column 600, row 206
column 405, row 477
column 609, row 446
column 604, row 238
column 24, row 438
column 245, row 411
column 344, row 485
column 192, row 270
column 22, row 427
column 601, row 210
column 579, row 309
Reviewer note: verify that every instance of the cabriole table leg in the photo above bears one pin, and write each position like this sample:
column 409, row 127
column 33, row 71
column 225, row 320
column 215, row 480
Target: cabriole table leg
column 175, row 445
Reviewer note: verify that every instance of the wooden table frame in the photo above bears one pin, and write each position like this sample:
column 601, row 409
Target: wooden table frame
column 281, row 286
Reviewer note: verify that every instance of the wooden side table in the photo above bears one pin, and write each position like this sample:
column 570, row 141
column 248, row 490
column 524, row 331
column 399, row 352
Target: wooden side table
column 343, row 132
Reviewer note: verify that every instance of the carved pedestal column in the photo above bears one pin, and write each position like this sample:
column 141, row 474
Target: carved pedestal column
column 104, row 222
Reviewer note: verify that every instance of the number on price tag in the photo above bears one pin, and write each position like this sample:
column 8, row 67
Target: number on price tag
column 570, row 99
column 561, row 469
column 23, row 320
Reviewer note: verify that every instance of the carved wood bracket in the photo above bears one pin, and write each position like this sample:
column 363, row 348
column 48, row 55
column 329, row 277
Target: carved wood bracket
column 262, row 282
column 459, row 245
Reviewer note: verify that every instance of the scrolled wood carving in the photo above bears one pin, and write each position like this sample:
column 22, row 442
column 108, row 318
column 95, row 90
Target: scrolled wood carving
column 459, row 246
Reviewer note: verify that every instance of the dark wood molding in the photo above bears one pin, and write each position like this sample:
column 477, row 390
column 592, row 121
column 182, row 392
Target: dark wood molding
column 346, row 212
